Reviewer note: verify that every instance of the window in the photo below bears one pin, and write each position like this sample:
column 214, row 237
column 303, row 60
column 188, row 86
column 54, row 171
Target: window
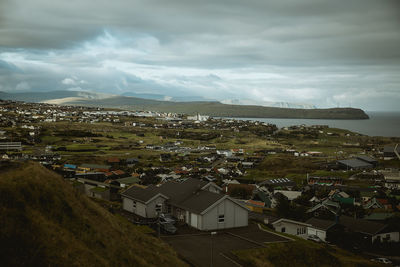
column 134, row 204
column 221, row 218
column 283, row 229
column 158, row 207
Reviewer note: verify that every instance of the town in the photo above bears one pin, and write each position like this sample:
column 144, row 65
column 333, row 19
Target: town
column 244, row 184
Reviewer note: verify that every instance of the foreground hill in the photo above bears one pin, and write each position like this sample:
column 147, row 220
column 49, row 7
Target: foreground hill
column 216, row 109
column 45, row 222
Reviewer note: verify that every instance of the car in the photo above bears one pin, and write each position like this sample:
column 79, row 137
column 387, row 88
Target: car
column 167, row 218
column 382, row 260
column 314, row 238
column 168, row 228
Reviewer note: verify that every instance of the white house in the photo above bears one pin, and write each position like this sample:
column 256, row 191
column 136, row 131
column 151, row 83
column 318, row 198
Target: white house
column 319, row 227
column 200, row 204
column 291, row 227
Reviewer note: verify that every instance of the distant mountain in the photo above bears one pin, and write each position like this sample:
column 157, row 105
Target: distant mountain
column 267, row 103
column 166, row 97
column 210, row 108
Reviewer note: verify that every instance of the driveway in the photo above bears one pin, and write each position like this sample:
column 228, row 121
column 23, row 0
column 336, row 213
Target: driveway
column 202, row 248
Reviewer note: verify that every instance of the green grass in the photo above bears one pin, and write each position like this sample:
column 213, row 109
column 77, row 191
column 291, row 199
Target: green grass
column 46, row 222
column 300, row 252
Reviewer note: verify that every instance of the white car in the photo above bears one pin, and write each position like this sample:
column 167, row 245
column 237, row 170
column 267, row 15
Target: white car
column 382, row 260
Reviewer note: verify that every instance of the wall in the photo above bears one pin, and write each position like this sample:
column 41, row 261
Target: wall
column 234, row 216
column 314, row 231
column 291, row 228
column 394, row 237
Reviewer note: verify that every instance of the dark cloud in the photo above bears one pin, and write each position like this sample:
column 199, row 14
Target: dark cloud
column 322, row 52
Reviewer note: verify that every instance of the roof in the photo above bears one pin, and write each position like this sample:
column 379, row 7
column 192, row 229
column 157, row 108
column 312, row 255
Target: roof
column 200, row 201
column 95, row 166
column 355, row 163
column 390, row 149
column 367, row 159
column 278, row 182
column 289, row 194
column 187, row 195
column 290, row 221
column 113, row 160
column 321, row 224
column 142, row 194
column 379, row 216
column 361, row 226
column 128, row 180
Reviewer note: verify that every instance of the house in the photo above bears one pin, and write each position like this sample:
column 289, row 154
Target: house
column 291, row 227
column 324, row 181
column 391, row 152
column 279, row 182
column 354, row 164
column 368, row 159
column 125, row 182
column 197, row 203
column 326, row 209
column 368, row 230
column 291, row 195
column 319, row 227
column 373, row 204
column 96, row 167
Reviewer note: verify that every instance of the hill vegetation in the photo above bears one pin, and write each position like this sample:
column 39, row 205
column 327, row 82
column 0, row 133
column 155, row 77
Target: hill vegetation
column 45, row 222
column 210, row 108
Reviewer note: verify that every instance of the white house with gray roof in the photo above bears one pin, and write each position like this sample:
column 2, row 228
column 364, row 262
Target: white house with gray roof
column 200, row 204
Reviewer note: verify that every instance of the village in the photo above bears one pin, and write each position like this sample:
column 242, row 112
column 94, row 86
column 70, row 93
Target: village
column 193, row 174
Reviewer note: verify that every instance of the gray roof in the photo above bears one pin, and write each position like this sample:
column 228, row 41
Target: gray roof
column 355, row 163
column 367, row 159
column 321, row 224
column 141, row 194
column 128, row 180
column 361, row 226
column 200, row 201
column 390, row 149
column 186, row 195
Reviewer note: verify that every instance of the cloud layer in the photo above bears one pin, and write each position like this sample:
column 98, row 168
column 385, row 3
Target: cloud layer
column 326, row 53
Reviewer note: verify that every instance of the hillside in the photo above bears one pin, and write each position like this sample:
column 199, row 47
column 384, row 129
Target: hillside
column 301, row 253
column 45, row 222
column 211, row 108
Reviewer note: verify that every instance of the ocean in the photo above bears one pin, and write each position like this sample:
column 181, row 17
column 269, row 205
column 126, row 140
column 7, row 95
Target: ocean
column 379, row 123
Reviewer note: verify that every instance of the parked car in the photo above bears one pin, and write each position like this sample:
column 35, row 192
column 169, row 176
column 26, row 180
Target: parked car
column 382, row 260
column 314, row 238
column 167, row 218
column 168, row 228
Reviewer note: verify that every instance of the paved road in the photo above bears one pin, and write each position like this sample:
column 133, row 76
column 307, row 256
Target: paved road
column 201, row 248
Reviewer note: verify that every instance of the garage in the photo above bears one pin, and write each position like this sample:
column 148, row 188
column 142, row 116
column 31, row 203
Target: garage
column 319, row 227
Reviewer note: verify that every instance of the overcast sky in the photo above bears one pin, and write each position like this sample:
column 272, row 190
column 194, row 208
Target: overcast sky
column 326, row 53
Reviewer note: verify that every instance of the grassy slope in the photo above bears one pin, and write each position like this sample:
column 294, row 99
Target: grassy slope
column 224, row 110
column 301, row 253
column 44, row 221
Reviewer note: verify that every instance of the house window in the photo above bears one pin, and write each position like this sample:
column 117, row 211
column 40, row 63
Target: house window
column 158, row 207
column 283, row 229
column 134, row 204
column 221, row 218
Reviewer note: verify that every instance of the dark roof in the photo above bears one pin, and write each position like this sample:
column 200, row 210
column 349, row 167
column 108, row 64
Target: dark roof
column 141, row 194
column 355, row 163
column 367, row 159
column 390, row 149
column 128, row 180
column 321, row 224
column 200, row 201
column 360, row 225
column 278, row 182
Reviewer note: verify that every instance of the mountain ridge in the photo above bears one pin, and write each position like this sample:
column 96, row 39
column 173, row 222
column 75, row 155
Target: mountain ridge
column 209, row 108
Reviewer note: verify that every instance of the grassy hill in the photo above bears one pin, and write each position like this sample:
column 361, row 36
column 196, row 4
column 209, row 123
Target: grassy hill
column 45, row 222
column 301, row 253
column 211, row 108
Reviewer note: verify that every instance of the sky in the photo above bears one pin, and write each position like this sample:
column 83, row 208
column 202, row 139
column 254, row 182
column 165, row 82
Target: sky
column 320, row 52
